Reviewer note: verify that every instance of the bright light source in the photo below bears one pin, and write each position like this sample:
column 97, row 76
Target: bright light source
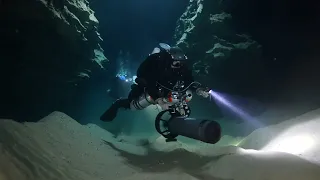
column 300, row 139
column 291, row 144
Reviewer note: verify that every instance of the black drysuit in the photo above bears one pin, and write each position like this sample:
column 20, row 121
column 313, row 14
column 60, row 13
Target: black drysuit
column 157, row 69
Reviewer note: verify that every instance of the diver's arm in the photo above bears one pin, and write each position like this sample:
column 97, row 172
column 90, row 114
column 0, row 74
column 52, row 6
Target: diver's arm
column 199, row 89
column 147, row 69
column 204, row 92
column 148, row 74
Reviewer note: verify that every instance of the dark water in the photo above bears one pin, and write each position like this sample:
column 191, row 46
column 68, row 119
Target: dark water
column 137, row 26
column 287, row 31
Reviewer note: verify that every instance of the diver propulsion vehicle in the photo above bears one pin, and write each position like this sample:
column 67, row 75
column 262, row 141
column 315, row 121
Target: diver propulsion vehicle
column 175, row 121
column 171, row 123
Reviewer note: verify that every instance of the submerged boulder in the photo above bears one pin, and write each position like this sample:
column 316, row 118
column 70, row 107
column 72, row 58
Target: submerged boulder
column 225, row 58
column 47, row 47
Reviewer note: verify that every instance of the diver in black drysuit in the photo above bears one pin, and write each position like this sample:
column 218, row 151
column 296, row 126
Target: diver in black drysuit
column 166, row 66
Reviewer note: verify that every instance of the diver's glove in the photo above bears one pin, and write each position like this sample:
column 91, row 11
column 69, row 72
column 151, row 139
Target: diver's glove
column 162, row 103
column 204, row 92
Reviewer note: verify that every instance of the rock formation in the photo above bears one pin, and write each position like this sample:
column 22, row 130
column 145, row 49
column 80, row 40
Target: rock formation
column 47, row 47
column 226, row 58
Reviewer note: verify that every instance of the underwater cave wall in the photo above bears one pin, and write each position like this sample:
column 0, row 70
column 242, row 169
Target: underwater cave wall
column 222, row 58
column 48, row 47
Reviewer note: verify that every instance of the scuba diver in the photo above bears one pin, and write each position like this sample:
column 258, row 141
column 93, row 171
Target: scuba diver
column 163, row 72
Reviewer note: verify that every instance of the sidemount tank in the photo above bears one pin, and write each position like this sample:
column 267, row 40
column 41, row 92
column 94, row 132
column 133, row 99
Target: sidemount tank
column 141, row 102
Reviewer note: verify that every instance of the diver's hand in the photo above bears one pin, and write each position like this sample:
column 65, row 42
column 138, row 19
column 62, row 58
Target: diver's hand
column 164, row 105
column 204, row 92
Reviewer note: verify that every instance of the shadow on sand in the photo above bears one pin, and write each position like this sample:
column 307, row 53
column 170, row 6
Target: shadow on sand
column 160, row 162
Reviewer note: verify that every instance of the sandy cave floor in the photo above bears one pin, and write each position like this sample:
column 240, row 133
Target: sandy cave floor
column 58, row 147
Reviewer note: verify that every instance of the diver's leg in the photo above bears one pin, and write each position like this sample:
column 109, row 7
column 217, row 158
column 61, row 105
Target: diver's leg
column 135, row 92
column 111, row 113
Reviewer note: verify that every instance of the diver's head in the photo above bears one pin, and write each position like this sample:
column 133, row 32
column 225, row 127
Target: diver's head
column 174, row 56
column 178, row 58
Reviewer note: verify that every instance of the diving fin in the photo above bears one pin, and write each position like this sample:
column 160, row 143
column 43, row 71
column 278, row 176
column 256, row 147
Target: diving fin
column 111, row 113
